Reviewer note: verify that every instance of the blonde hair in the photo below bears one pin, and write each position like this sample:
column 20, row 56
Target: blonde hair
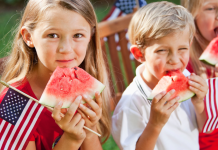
column 199, row 42
column 157, row 20
column 23, row 58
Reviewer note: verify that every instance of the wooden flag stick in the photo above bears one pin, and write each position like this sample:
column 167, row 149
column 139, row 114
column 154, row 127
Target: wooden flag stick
column 62, row 115
column 137, row 4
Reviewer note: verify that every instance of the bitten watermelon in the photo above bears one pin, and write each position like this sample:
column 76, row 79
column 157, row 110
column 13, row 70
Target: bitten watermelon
column 66, row 84
column 210, row 54
column 173, row 80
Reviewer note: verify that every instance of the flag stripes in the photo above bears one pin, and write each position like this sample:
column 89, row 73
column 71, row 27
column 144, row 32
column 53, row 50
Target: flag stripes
column 211, row 105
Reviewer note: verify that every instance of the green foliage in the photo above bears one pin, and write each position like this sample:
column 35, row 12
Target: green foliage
column 11, row 2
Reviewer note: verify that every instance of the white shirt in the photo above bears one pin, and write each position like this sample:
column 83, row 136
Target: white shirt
column 132, row 113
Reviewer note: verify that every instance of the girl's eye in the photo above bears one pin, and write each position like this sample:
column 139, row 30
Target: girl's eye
column 53, row 36
column 78, row 35
column 161, row 50
column 183, row 49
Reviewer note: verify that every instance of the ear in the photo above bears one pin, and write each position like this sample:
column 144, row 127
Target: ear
column 137, row 53
column 26, row 36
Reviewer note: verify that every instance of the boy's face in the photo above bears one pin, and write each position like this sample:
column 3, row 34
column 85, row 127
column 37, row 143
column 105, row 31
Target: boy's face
column 170, row 53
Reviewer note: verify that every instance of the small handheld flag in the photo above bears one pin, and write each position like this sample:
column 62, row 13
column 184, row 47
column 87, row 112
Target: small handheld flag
column 19, row 117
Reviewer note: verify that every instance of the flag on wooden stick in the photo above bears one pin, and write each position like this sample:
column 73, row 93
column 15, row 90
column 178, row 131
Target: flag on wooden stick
column 19, row 117
column 211, row 105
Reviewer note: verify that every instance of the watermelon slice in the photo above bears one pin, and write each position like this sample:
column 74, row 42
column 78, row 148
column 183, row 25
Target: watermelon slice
column 210, row 54
column 173, row 80
column 66, row 84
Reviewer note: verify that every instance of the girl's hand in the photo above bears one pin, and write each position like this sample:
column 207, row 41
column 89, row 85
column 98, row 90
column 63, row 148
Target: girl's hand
column 72, row 124
column 91, row 113
column 199, row 86
column 161, row 108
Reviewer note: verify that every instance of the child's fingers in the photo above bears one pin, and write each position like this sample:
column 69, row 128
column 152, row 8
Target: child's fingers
column 173, row 107
column 167, row 97
column 56, row 112
column 196, row 85
column 72, row 109
column 88, row 112
column 172, row 102
column 197, row 79
column 158, row 97
column 91, row 103
column 98, row 99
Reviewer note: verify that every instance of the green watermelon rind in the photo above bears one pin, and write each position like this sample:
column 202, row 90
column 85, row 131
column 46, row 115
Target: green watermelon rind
column 207, row 62
column 151, row 98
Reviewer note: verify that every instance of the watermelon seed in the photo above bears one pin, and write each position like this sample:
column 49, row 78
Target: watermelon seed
column 75, row 68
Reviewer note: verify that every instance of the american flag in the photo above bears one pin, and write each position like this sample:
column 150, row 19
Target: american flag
column 121, row 8
column 19, row 117
column 211, row 104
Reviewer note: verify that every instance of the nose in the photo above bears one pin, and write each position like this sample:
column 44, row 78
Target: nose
column 65, row 45
column 174, row 59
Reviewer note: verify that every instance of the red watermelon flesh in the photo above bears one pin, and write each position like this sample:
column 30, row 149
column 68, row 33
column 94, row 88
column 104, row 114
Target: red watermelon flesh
column 66, row 84
column 173, row 80
column 210, row 54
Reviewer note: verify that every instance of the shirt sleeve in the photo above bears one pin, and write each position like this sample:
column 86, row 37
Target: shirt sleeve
column 127, row 126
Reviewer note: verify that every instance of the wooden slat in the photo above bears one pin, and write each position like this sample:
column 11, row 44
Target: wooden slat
column 137, row 63
column 116, row 64
column 107, row 28
column 125, row 56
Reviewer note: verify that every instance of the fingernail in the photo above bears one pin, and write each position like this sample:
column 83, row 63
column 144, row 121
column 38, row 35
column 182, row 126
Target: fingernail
column 177, row 97
column 173, row 90
column 81, row 105
column 60, row 103
column 98, row 93
column 163, row 92
column 85, row 96
column 78, row 98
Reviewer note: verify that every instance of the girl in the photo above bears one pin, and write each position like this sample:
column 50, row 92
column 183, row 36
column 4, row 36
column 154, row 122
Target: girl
column 205, row 13
column 60, row 33
column 161, row 34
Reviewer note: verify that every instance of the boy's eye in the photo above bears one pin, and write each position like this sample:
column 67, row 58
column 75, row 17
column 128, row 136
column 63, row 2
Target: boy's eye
column 183, row 49
column 53, row 35
column 78, row 35
column 210, row 8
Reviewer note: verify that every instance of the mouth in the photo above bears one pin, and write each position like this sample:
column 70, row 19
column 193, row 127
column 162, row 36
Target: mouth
column 65, row 60
column 168, row 72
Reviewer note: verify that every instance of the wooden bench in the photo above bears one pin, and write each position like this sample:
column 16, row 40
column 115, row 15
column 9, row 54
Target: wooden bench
column 119, row 64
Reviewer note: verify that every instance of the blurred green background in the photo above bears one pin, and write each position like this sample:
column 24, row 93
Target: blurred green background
column 10, row 13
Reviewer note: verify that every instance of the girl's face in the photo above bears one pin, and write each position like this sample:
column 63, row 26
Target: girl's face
column 170, row 53
column 61, row 39
column 207, row 19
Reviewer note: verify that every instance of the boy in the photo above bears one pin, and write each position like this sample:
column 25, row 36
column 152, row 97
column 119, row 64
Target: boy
column 161, row 34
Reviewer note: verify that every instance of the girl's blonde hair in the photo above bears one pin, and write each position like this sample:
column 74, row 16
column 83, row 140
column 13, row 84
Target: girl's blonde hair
column 199, row 42
column 23, row 58
column 157, row 20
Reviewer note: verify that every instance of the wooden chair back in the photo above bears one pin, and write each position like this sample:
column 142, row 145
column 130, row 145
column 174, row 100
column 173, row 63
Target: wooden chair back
column 117, row 55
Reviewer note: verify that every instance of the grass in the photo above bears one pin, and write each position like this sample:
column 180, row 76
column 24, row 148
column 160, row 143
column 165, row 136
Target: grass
column 8, row 21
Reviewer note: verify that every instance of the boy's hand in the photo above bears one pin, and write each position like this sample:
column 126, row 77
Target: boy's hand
column 161, row 108
column 199, row 86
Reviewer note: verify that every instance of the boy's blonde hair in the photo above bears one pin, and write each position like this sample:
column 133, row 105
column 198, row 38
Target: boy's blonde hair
column 157, row 20
column 199, row 42
column 23, row 58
